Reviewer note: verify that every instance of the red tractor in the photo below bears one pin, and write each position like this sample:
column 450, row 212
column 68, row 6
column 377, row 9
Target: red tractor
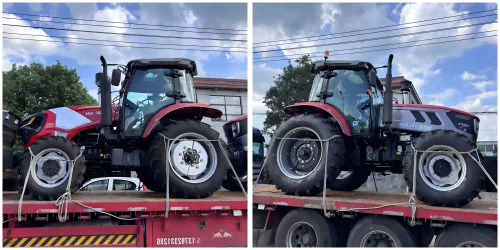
column 157, row 100
column 349, row 105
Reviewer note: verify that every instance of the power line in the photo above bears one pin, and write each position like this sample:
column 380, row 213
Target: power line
column 380, row 27
column 121, row 27
column 380, row 45
column 377, row 38
column 127, row 34
column 484, row 112
column 101, row 40
column 119, row 45
column 387, row 49
column 102, row 21
column 374, row 32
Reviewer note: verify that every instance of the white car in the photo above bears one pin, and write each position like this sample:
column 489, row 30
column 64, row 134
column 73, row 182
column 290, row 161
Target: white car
column 113, row 184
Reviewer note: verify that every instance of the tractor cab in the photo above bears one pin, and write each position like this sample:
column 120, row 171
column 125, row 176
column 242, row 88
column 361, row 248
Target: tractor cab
column 353, row 89
column 150, row 86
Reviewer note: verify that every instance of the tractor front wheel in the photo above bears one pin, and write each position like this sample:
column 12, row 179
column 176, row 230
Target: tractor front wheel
column 450, row 179
column 351, row 180
column 197, row 165
column 49, row 176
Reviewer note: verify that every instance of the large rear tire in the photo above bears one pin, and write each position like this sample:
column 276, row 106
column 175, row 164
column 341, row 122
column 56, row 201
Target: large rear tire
column 297, row 166
column 444, row 179
column 240, row 166
column 351, row 180
column 197, row 168
column 50, row 178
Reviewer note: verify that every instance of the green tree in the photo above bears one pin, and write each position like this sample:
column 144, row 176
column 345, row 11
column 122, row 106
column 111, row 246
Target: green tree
column 31, row 89
column 292, row 86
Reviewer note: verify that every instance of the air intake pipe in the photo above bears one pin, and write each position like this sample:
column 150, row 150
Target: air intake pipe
column 105, row 95
column 405, row 89
column 387, row 117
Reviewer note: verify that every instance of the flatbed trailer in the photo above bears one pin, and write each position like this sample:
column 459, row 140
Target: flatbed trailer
column 217, row 221
column 271, row 206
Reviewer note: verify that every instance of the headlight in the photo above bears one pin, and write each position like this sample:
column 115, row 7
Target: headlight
column 235, row 128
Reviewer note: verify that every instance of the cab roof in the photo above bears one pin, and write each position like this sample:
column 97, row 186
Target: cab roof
column 184, row 63
column 339, row 64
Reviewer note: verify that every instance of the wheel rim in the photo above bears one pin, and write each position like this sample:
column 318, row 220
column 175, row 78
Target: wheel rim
column 470, row 244
column 298, row 159
column 344, row 174
column 48, row 172
column 377, row 239
column 442, row 172
column 193, row 161
column 301, row 234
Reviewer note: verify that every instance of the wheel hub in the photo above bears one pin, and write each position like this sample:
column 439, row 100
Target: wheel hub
column 377, row 239
column 189, row 158
column 301, row 234
column 442, row 171
column 51, row 168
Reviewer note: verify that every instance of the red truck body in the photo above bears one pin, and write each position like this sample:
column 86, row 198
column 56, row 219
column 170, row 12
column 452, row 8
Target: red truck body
column 217, row 221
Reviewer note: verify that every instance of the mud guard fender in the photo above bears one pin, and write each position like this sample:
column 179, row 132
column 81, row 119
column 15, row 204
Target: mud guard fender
column 197, row 109
column 320, row 108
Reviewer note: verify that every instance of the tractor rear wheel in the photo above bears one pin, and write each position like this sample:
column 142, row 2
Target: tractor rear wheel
column 49, row 178
column 297, row 164
column 240, row 166
column 443, row 179
column 351, row 180
column 197, row 167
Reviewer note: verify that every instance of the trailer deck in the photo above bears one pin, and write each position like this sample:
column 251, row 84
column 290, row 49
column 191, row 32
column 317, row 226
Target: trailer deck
column 478, row 211
column 216, row 221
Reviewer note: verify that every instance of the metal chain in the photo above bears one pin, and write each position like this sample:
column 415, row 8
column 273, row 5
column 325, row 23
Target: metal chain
column 168, row 148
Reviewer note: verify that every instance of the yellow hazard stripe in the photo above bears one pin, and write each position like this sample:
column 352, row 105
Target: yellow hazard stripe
column 92, row 240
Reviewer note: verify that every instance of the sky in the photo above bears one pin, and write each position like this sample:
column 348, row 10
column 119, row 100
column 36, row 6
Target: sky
column 85, row 58
column 461, row 75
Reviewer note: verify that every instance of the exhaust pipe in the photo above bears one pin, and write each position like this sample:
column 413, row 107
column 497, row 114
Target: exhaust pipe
column 387, row 119
column 405, row 89
column 105, row 95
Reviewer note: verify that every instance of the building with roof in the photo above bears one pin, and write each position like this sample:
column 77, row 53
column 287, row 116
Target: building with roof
column 227, row 95
column 398, row 95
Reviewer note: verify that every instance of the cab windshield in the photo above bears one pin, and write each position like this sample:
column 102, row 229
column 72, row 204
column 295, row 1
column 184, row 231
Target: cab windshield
column 147, row 94
column 350, row 96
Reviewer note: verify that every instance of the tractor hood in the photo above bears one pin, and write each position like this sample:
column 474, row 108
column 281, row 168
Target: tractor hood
column 424, row 118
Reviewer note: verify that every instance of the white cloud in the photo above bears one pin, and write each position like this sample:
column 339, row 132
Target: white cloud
column 240, row 75
column 469, row 76
column 482, row 95
column 482, row 85
column 440, row 97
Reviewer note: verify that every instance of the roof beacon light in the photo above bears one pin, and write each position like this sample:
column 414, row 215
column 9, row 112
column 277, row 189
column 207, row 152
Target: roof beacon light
column 327, row 54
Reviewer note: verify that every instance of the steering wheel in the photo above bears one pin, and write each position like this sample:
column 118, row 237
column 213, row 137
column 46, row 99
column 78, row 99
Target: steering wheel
column 362, row 106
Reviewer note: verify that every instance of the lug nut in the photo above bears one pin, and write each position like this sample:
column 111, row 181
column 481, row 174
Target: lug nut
column 182, row 162
column 180, row 154
column 184, row 147
column 199, row 152
column 201, row 160
column 196, row 166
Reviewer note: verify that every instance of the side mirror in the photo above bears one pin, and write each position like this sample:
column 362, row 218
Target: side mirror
column 115, row 77
column 372, row 78
column 98, row 78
